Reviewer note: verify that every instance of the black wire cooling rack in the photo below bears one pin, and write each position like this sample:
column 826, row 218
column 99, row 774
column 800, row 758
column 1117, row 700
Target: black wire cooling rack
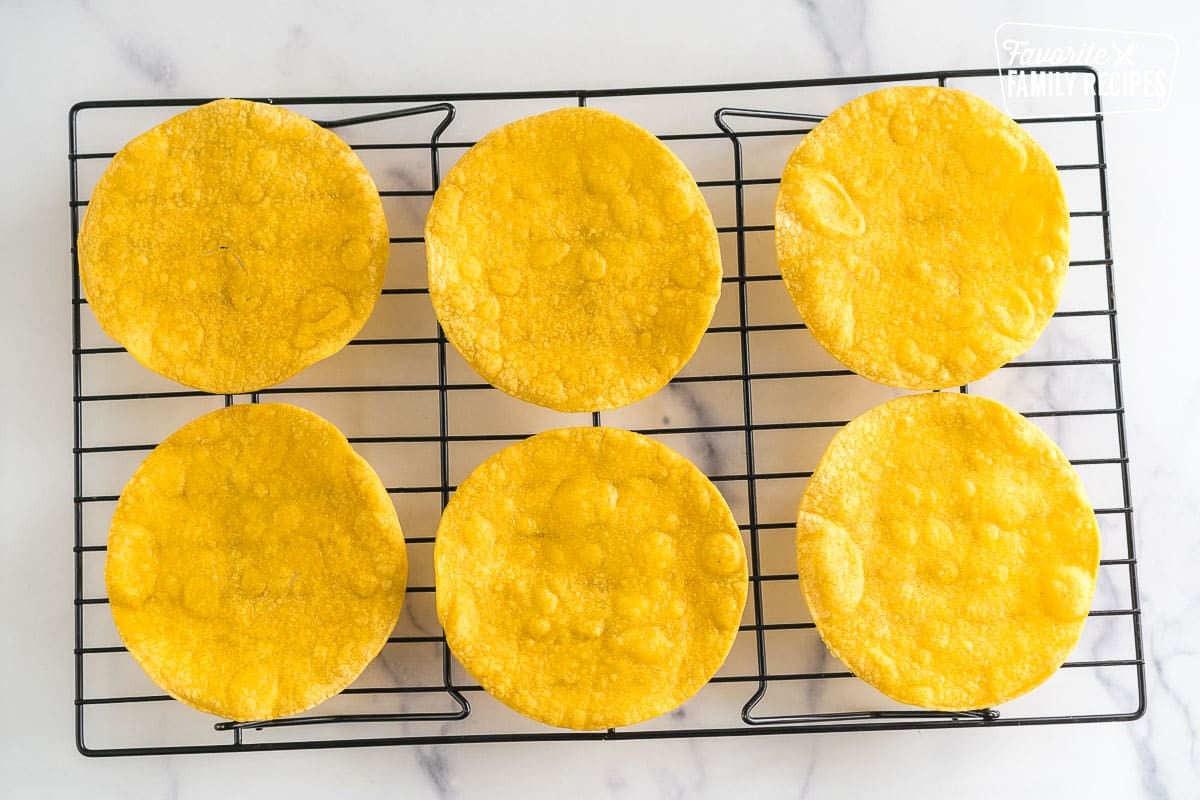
column 754, row 409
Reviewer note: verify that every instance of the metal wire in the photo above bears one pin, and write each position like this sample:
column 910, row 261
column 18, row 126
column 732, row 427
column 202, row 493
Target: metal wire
column 449, row 726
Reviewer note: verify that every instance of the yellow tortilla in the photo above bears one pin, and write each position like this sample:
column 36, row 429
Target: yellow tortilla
column 255, row 563
column 923, row 236
column 233, row 246
column 572, row 260
column 589, row 577
column 947, row 551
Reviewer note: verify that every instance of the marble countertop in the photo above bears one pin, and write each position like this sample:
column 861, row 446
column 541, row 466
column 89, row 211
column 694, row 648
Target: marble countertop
column 54, row 54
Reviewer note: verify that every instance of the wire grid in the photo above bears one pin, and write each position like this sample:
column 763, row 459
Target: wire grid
column 754, row 409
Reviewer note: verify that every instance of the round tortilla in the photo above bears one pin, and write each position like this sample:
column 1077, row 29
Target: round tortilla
column 947, row 551
column 589, row 577
column 233, row 245
column 255, row 563
column 572, row 260
column 923, row 236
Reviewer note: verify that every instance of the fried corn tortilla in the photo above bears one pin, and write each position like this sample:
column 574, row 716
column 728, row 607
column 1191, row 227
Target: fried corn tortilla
column 589, row 577
column 947, row 551
column 255, row 563
column 572, row 260
column 923, row 236
column 233, row 245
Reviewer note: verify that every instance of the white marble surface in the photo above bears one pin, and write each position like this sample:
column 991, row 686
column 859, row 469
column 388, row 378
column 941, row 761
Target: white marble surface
column 52, row 55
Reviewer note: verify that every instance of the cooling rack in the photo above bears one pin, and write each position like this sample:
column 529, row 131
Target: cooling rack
column 754, row 409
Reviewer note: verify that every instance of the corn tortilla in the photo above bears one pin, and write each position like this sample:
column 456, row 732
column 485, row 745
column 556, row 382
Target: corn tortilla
column 572, row 260
column 255, row 563
column 233, row 245
column 947, row 551
column 923, row 236
column 589, row 577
